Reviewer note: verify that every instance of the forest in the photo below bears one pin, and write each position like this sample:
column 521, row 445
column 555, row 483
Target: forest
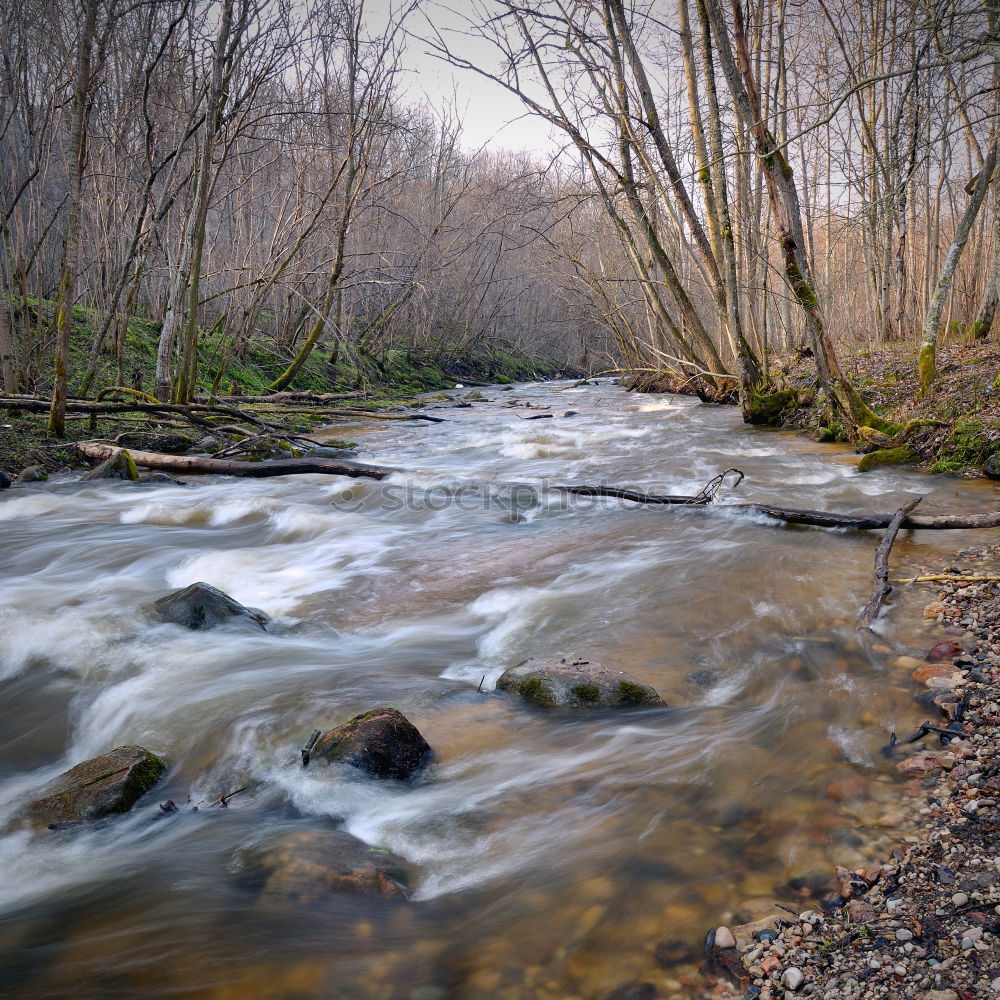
column 466, row 600
column 194, row 189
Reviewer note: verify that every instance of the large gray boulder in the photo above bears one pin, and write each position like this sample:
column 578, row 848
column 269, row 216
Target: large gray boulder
column 381, row 742
column 202, row 606
column 306, row 865
column 575, row 683
column 102, row 786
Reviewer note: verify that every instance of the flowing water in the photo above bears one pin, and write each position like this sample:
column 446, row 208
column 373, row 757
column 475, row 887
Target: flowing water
column 549, row 852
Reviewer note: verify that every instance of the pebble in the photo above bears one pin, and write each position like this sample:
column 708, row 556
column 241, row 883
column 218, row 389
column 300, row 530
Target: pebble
column 960, row 899
column 793, row 978
column 724, row 938
column 904, row 935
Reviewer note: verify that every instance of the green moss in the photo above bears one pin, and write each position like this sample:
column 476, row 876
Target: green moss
column 927, row 367
column 586, row 693
column 968, row 445
column 147, row 773
column 535, row 691
column 946, row 466
column 887, row 456
column 768, row 408
column 632, row 694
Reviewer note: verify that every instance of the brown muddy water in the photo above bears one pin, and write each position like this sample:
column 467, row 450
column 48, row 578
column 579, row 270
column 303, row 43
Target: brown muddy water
column 550, row 853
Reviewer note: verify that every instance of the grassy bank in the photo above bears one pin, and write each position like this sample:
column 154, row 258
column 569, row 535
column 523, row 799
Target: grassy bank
column 374, row 379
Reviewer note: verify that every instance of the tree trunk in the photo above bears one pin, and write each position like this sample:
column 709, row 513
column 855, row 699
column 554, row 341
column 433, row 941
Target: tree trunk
column 71, row 238
column 786, row 217
column 928, row 346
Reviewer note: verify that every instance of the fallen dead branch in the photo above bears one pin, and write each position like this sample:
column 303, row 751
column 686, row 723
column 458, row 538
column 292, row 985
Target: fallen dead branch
column 372, row 415
column 319, row 398
column 882, row 587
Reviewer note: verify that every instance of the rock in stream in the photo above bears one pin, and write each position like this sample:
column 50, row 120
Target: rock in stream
column 202, row 606
column 576, row 683
column 102, row 786
column 381, row 742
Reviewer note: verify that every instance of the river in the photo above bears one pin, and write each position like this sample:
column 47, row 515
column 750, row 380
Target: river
column 550, row 852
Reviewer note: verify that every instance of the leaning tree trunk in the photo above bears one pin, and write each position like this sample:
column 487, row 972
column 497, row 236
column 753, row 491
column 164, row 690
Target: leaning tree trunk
column 786, row 217
column 928, row 347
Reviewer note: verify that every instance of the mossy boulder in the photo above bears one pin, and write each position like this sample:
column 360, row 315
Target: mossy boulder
column 32, row 474
column 102, row 786
column 121, row 465
column 887, row 456
column 769, row 408
column 305, row 866
column 202, row 606
column 381, row 742
column 575, row 683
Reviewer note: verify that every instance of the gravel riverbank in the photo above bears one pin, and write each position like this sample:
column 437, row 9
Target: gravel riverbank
column 924, row 924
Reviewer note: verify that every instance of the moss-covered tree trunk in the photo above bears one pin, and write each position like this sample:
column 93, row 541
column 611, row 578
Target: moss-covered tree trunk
column 928, row 345
column 786, row 216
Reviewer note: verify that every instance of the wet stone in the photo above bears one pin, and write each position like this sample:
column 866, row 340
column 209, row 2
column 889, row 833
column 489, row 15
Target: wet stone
column 32, row 474
column 202, row 606
column 305, row 866
column 381, row 742
column 576, row 683
column 119, row 466
column 100, row 787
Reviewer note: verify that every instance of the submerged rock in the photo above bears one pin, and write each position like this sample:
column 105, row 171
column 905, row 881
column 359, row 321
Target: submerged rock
column 5, row 480
column 202, row 606
column 102, row 786
column 119, row 466
column 156, row 477
column 569, row 683
column 381, row 742
column 305, row 866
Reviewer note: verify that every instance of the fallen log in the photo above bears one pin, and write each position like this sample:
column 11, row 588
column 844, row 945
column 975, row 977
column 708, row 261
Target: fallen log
column 882, row 586
column 279, row 397
column 228, row 467
column 372, row 415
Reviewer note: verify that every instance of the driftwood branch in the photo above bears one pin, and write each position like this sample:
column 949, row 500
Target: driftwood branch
column 949, row 578
column 882, row 586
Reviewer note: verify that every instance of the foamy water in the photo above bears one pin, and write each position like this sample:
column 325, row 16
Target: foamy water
column 599, row 834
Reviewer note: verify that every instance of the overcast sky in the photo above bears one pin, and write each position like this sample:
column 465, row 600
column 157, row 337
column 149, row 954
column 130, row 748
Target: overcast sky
column 485, row 108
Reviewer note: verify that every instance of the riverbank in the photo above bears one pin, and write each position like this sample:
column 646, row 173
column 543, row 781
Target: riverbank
column 924, row 923
column 954, row 429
